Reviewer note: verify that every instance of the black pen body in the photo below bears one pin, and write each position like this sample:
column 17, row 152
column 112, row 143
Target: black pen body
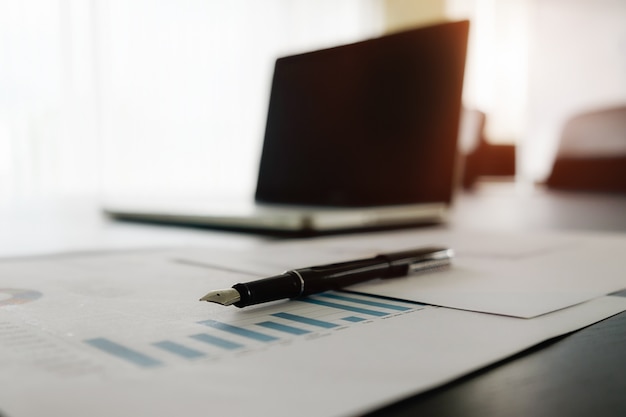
column 316, row 279
column 305, row 281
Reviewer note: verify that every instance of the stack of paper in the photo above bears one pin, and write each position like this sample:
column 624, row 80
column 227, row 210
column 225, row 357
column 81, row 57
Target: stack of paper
column 123, row 334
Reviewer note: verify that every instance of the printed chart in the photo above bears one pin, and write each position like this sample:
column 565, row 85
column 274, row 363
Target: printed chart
column 302, row 319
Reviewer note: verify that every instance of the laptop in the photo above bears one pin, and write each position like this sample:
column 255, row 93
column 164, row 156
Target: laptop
column 357, row 136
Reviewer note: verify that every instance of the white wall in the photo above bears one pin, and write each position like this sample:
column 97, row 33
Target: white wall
column 403, row 14
column 577, row 64
column 186, row 85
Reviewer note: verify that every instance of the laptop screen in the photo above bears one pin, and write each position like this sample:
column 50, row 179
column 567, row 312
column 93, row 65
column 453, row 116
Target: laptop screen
column 367, row 124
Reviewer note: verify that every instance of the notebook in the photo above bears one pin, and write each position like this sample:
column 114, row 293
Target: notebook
column 357, row 136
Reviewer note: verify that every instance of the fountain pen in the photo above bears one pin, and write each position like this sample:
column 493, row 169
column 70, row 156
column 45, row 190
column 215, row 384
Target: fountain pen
column 305, row 281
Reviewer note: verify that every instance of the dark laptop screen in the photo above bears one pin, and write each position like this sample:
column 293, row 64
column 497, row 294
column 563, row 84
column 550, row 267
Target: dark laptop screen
column 367, row 124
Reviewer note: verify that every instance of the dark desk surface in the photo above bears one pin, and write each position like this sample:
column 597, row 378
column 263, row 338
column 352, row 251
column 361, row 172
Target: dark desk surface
column 581, row 374
column 508, row 207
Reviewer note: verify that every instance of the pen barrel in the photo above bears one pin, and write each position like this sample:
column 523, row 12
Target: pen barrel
column 335, row 276
column 274, row 288
column 316, row 279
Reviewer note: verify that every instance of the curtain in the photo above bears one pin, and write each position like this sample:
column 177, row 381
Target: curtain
column 47, row 103
column 149, row 96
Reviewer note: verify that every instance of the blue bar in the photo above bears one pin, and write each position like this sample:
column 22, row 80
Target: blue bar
column 216, row 341
column 343, row 307
column 178, row 349
column 283, row 328
column 305, row 320
column 353, row 319
column 250, row 334
column 123, row 352
column 366, row 302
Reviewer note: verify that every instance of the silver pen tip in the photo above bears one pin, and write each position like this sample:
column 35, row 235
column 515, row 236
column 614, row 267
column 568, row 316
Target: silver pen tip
column 224, row 297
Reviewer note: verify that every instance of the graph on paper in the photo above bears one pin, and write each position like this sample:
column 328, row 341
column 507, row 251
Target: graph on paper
column 301, row 319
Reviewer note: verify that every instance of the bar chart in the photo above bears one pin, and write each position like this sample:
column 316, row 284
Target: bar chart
column 300, row 319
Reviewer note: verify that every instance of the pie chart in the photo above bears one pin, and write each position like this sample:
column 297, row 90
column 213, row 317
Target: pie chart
column 14, row 296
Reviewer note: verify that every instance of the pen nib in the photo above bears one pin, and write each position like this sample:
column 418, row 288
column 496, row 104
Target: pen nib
column 224, row 297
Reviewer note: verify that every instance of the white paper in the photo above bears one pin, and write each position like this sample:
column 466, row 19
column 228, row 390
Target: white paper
column 509, row 274
column 89, row 335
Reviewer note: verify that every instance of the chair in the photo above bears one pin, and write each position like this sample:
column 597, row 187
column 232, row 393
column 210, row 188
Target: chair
column 482, row 158
column 592, row 153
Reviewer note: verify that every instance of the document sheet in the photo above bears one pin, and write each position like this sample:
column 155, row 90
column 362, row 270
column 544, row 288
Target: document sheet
column 123, row 334
column 510, row 274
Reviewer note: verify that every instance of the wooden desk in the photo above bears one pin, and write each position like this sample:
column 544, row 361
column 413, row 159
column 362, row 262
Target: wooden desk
column 578, row 375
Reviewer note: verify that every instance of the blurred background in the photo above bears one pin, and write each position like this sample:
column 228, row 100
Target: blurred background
column 139, row 96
